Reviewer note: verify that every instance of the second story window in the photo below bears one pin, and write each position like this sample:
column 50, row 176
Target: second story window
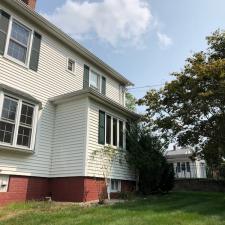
column 71, row 65
column 94, row 80
column 19, row 42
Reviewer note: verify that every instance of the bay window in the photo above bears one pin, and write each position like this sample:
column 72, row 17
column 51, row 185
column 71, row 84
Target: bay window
column 121, row 134
column 8, row 119
column 108, row 129
column 113, row 130
column 17, row 122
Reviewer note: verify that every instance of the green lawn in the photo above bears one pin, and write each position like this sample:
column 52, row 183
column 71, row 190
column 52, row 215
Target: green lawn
column 185, row 208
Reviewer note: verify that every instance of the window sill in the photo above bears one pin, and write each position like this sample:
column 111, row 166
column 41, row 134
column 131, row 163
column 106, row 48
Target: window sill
column 115, row 191
column 71, row 72
column 16, row 62
column 15, row 149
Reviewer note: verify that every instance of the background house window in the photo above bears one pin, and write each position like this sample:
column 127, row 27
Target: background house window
column 188, row 167
column 71, row 65
column 178, row 169
column 114, row 132
column 94, row 80
column 19, row 41
column 115, row 185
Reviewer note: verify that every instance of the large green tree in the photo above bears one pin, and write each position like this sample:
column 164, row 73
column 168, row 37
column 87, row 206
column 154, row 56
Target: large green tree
column 145, row 155
column 130, row 101
column 191, row 108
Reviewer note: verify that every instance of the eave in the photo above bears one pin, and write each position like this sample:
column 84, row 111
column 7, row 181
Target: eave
column 98, row 97
column 66, row 39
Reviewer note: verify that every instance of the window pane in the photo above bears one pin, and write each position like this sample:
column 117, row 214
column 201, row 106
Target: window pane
column 6, row 132
column 24, row 136
column 9, row 109
column 183, row 166
column 178, row 167
column 17, row 51
column 114, row 132
column 121, row 134
column 94, row 79
column 20, row 33
column 188, row 167
column 71, row 65
column 108, row 130
column 26, row 115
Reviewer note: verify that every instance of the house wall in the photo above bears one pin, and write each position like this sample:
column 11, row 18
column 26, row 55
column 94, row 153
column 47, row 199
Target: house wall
column 69, row 139
column 22, row 188
column 52, row 79
column 120, row 169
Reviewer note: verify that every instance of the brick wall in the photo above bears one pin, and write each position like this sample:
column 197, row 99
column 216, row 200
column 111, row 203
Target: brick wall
column 67, row 189
column 25, row 188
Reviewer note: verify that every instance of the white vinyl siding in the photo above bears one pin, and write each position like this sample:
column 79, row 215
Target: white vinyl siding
column 69, row 139
column 120, row 171
column 49, row 81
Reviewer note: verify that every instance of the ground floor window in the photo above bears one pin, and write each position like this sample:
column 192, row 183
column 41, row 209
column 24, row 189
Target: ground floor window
column 17, row 121
column 115, row 185
column 111, row 130
column 4, row 182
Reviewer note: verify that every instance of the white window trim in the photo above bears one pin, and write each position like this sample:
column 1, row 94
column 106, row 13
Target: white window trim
column 124, row 133
column 100, row 78
column 99, row 81
column 67, row 64
column 26, row 64
column 17, row 122
column 6, row 183
column 119, row 186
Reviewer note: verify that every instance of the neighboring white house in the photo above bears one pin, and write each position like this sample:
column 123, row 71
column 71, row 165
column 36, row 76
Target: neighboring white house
column 58, row 104
column 183, row 166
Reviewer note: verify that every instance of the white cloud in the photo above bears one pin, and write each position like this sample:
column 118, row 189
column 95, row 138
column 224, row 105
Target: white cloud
column 164, row 40
column 116, row 22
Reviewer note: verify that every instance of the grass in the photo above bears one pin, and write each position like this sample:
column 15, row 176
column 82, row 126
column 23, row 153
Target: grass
column 181, row 208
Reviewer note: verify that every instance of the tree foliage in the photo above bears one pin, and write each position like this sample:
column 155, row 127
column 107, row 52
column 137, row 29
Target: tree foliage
column 145, row 155
column 130, row 101
column 191, row 108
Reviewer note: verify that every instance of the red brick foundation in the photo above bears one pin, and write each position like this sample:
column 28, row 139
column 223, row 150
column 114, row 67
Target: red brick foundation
column 69, row 189
column 25, row 188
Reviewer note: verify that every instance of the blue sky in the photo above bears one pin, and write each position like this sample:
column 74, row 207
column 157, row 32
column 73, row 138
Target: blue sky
column 146, row 40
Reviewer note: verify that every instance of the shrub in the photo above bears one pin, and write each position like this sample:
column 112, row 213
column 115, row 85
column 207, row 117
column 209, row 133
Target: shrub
column 145, row 155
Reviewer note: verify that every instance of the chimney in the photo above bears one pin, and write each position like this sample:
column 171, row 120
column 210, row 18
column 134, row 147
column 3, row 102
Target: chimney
column 30, row 3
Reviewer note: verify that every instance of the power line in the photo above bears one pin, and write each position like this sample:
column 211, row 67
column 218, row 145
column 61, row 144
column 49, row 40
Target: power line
column 147, row 86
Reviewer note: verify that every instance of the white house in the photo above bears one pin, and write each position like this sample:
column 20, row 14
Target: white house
column 183, row 166
column 58, row 104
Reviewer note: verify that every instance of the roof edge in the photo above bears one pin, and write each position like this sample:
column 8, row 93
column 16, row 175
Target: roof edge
column 47, row 25
column 89, row 92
